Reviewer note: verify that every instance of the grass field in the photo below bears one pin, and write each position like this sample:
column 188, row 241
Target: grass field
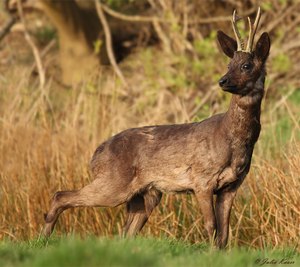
column 144, row 252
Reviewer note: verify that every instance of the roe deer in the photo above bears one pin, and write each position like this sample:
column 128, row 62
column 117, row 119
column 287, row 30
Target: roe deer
column 206, row 158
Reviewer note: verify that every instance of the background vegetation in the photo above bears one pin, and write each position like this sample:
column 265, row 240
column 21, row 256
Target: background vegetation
column 49, row 131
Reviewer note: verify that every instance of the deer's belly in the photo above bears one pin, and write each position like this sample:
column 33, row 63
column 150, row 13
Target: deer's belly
column 177, row 179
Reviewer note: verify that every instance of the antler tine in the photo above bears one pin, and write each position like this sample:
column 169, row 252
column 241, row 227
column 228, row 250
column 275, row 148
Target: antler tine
column 240, row 44
column 252, row 30
column 251, row 37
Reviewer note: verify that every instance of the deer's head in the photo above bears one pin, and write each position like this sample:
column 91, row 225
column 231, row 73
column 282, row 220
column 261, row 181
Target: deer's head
column 246, row 65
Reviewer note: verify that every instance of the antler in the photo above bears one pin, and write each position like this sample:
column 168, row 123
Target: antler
column 252, row 29
column 240, row 43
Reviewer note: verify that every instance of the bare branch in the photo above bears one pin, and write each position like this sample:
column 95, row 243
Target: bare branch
column 162, row 36
column 127, row 17
column 6, row 29
column 108, row 40
column 220, row 18
column 204, row 100
column 34, row 49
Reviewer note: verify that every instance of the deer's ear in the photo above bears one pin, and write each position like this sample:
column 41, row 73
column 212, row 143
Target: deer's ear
column 227, row 44
column 262, row 48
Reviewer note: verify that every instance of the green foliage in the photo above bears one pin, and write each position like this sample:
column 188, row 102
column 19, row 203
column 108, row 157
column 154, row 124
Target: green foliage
column 266, row 5
column 204, row 68
column 45, row 34
column 97, row 46
column 118, row 4
column 205, row 47
column 283, row 2
column 281, row 63
column 295, row 97
column 131, row 252
column 281, row 129
column 173, row 77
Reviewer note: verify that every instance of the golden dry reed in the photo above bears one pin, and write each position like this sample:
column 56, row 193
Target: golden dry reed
column 47, row 138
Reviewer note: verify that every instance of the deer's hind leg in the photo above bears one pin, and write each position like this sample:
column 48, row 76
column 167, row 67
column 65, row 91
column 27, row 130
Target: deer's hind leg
column 61, row 201
column 95, row 194
column 139, row 209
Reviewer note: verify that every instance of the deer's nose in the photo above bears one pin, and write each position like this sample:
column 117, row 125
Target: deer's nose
column 222, row 81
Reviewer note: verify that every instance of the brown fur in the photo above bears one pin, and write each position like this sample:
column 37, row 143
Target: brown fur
column 206, row 158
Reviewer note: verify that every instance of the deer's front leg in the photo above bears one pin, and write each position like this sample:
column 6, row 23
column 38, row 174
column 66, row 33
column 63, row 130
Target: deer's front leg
column 223, row 207
column 205, row 200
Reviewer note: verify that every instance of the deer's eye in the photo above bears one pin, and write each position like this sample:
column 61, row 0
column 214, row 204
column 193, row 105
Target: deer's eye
column 246, row 66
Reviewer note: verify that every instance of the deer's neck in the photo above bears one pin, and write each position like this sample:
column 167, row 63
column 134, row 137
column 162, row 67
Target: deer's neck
column 242, row 120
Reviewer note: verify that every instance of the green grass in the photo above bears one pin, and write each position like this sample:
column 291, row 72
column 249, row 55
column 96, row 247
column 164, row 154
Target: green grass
column 134, row 252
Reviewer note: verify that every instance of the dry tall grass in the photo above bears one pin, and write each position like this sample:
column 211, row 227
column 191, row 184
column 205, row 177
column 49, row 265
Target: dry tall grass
column 46, row 144
column 47, row 137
